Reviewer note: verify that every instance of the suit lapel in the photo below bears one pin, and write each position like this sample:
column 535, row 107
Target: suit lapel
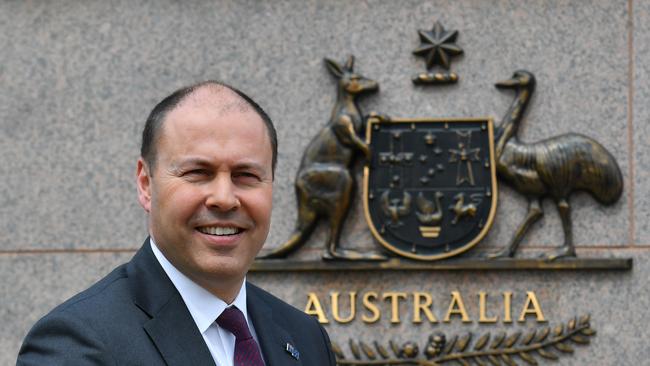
column 272, row 337
column 171, row 327
column 176, row 336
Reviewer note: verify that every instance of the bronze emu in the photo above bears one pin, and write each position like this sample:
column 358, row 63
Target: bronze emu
column 325, row 180
column 553, row 168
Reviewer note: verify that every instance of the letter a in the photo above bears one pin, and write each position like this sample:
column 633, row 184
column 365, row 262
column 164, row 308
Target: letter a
column 313, row 307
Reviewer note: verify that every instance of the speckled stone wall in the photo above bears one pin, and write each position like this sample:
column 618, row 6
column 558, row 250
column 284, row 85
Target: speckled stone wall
column 78, row 78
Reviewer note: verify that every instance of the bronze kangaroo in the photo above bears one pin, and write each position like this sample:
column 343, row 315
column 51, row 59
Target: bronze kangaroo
column 553, row 168
column 325, row 181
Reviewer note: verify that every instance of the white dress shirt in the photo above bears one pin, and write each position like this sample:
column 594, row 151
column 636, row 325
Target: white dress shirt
column 205, row 308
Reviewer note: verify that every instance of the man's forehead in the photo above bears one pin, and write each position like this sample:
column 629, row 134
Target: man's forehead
column 199, row 111
column 214, row 96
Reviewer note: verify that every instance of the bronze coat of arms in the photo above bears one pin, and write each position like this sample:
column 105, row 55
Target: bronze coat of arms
column 430, row 187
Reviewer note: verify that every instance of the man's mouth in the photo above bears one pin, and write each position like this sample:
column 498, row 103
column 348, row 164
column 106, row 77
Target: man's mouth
column 220, row 230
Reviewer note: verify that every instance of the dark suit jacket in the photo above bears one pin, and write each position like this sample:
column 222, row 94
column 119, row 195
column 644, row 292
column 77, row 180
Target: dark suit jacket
column 135, row 316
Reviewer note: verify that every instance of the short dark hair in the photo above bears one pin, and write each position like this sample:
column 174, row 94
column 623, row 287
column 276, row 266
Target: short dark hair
column 154, row 122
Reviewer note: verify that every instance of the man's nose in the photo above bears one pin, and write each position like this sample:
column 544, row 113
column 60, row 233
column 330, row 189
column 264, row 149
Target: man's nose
column 221, row 194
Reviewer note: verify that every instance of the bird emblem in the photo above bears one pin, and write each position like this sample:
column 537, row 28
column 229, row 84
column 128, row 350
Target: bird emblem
column 429, row 212
column 396, row 207
column 462, row 209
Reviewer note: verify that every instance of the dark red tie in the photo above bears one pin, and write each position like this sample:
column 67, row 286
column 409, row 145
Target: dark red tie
column 246, row 351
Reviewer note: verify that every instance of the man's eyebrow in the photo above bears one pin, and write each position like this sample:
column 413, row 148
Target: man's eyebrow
column 202, row 162
column 190, row 161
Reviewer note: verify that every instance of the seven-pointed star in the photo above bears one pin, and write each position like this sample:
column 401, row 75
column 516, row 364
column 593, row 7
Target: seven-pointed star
column 438, row 45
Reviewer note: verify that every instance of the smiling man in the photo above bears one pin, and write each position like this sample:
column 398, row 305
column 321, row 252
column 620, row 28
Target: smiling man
column 205, row 178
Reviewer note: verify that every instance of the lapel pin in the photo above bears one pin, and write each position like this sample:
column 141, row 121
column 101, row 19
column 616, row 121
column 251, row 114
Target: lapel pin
column 292, row 351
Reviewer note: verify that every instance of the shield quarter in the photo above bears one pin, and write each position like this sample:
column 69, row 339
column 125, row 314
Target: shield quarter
column 430, row 187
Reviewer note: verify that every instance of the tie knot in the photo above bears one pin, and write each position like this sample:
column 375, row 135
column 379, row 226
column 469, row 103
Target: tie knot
column 233, row 321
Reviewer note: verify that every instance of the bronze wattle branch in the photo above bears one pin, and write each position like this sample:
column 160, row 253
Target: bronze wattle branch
column 547, row 343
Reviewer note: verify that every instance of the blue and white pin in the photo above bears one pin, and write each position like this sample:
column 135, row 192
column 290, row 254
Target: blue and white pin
column 292, row 351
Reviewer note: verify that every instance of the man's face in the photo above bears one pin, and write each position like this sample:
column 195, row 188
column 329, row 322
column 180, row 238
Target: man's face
column 209, row 194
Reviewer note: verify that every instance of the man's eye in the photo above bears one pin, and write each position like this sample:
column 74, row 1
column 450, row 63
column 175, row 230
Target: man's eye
column 246, row 175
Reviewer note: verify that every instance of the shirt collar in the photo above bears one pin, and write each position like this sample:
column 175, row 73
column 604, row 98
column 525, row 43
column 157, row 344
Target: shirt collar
column 204, row 307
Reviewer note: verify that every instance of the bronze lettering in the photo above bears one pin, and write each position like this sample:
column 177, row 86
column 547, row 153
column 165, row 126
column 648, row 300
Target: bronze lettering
column 423, row 307
column 507, row 307
column 335, row 307
column 531, row 301
column 369, row 305
column 482, row 306
column 314, row 307
column 419, row 306
column 394, row 304
column 456, row 307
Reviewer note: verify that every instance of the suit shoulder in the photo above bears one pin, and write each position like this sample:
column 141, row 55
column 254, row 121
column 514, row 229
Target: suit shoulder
column 104, row 292
column 76, row 329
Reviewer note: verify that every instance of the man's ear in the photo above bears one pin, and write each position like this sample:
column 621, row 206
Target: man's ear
column 143, row 181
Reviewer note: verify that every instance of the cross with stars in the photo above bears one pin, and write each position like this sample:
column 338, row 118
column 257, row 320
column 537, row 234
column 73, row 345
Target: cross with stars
column 464, row 156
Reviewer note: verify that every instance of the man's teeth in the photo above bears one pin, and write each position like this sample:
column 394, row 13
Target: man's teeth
column 218, row 230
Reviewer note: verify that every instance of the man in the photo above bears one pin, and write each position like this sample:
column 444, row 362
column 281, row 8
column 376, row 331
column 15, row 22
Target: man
column 205, row 179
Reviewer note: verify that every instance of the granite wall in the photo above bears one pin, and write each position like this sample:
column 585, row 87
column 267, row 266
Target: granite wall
column 78, row 78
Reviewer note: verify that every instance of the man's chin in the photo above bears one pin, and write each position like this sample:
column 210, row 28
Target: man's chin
column 222, row 279
column 224, row 268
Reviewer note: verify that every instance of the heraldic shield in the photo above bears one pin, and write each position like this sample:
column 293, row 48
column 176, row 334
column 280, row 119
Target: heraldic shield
column 430, row 187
